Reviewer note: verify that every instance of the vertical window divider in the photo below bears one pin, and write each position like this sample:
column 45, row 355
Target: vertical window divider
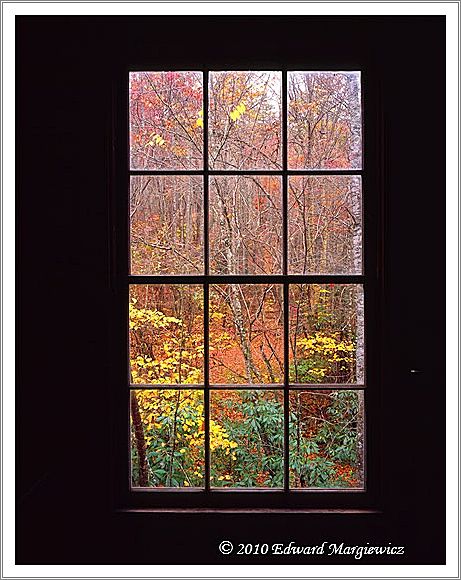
column 206, row 289
column 206, row 380
column 286, row 394
column 284, row 169
column 286, row 353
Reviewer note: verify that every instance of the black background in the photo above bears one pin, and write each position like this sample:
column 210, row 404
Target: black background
column 67, row 69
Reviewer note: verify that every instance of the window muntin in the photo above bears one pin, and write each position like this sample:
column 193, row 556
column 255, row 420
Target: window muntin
column 306, row 240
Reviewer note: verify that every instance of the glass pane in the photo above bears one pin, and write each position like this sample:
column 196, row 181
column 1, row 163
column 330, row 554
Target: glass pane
column 325, row 224
column 326, row 333
column 166, row 334
column 246, row 334
column 245, row 120
column 326, row 439
column 324, row 120
column 166, row 120
column 245, row 225
column 246, row 438
column 167, row 438
column 166, row 221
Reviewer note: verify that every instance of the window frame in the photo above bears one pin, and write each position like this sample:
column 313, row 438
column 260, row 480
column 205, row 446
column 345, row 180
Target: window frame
column 371, row 279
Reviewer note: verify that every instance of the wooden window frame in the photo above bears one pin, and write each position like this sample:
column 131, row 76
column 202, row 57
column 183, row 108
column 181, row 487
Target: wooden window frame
column 371, row 279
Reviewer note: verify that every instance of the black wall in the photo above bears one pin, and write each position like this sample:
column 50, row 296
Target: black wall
column 66, row 70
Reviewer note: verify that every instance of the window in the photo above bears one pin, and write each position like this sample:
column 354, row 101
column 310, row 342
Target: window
column 246, row 284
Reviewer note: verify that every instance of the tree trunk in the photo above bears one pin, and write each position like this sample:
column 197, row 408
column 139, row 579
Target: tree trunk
column 143, row 479
column 234, row 298
column 360, row 328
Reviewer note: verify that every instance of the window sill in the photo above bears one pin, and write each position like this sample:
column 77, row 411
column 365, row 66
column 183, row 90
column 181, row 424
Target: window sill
column 205, row 510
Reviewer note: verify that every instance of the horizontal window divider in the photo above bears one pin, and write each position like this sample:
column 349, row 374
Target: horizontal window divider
column 249, row 510
column 169, row 489
column 248, row 279
column 326, row 386
column 247, row 490
column 244, row 172
column 153, row 172
column 331, row 490
column 249, row 387
column 324, row 171
column 247, row 172
column 277, row 490
column 230, row 68
column 162, row 386
column 281, row 490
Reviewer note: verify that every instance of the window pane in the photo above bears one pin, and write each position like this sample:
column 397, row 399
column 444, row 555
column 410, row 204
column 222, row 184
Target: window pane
column 166, row 224
column 245, row 225
column 326, row 333
column 246, row 438
column 166, row 120
column 246, row 334
column 326, row 439
column 324, row 120
column 167, row 438
column 166, row 334
column 325, row 224
column 245, row 120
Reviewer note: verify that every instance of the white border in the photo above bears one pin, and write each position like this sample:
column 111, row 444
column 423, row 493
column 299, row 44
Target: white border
column 9, row 11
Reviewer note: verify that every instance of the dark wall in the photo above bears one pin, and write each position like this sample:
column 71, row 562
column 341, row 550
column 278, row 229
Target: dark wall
column 66, row 71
